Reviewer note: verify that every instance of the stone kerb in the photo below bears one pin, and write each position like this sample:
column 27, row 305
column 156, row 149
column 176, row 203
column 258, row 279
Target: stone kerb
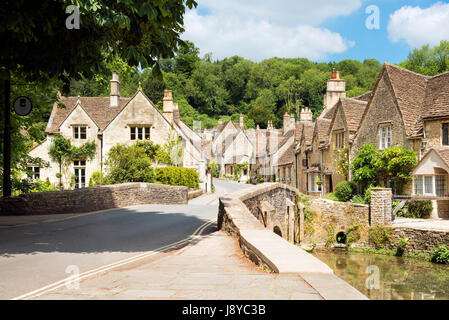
column 260, row 245
column 380, row 209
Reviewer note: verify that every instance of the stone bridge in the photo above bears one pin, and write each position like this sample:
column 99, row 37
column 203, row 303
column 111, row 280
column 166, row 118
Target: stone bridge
column 277, row 208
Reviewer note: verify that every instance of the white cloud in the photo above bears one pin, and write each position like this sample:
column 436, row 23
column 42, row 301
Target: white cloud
column 419, row 26
column 260, row 29
column 285, row 12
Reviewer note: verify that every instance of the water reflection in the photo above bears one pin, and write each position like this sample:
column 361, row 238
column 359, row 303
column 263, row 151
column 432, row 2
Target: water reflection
column 382, row 277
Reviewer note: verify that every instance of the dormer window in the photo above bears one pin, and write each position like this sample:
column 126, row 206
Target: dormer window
column 80, row 132
column 385, row 137
column 139, row 133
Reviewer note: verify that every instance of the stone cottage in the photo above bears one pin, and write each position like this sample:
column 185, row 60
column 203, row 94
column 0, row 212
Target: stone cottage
column 109, row 121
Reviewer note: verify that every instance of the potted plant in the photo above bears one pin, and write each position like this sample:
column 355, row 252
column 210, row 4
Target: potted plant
column 319, row 182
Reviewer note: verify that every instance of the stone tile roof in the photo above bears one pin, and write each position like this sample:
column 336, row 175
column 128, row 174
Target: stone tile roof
column 330, row 114
column 288, row 156
column 443, row 152
column 353, row 110
column 298, row 130
column 364, row 97
column 409, row 89
column 97, row 108
column 321, row 130
column 308, row 133
column 436, row 102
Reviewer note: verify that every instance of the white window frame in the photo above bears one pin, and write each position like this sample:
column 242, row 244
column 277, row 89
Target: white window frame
column 77, row 134
column 384, row 137
column 420, row 187
column 36, row 174
column 80, row 165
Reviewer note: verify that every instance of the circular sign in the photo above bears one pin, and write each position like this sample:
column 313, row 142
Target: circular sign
column 23, row 106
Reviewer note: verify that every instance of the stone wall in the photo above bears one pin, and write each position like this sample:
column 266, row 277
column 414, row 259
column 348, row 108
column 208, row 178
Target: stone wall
column 419, row 240
column 274, row 205
column 327, row 218
column 381, row 201
column 93, row 199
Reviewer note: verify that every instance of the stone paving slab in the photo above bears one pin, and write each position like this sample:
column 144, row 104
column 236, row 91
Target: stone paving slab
column 422, row 224
column 222, row 273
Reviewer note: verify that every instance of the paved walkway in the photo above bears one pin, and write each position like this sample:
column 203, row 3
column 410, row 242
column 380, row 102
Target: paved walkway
column 422, row 224
column 213, row 268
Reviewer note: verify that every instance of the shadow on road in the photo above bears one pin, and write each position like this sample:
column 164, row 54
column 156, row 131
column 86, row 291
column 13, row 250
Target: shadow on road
column 117, row 230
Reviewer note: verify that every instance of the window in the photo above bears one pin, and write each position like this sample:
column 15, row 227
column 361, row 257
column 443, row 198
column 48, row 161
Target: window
column 140, row 133
column 428, row 184
column 440, row 185
column 445, row 134
column 80, row 173
column 385, row 137
column 424, row 185
column 35, row 173
column 80, row 132
column 339, row 140
column 419, row 185
column 313, row 179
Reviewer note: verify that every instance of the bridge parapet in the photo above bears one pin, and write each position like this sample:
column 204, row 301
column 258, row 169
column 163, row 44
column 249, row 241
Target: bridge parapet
column 244, row 215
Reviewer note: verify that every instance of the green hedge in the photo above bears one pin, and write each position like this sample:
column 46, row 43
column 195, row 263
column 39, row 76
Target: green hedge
column 177, row 176
column 419, row 209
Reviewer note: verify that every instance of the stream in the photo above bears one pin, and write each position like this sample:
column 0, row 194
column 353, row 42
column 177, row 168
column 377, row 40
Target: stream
column 383, row 277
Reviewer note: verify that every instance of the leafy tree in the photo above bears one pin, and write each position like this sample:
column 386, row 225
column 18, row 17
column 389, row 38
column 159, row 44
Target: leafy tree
column 129, row 164
column 395, row 164
column 39, row 48
column 364, row 166
column 260, row 116
column 171, row 152
column 187, row 58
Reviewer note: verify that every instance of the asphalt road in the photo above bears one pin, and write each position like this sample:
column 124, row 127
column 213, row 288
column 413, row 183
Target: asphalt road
column 34, row 256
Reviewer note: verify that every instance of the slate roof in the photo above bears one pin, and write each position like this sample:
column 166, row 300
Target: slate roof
column 97, row 108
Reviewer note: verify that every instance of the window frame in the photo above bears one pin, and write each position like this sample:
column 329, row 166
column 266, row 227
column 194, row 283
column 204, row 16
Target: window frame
column 385, row 132
column 78, row 134
column 139, row 132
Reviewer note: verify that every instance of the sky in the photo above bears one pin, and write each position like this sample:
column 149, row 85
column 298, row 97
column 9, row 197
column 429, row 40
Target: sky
column 320, row 30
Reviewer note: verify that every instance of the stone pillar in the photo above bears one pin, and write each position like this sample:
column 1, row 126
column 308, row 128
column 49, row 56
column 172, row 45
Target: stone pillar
column 301, row 222
column 291, row 210
column 381, row 202
column 209, row 181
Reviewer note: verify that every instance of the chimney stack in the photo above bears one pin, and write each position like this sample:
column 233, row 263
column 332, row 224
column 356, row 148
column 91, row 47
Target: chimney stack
column 306, row 115
column 168, row 105
column 288, row 123
column 241, row 123
column 176, row 112
column 115, row 90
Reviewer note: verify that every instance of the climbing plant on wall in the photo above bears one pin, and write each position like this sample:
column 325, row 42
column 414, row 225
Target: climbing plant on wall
column 62, row 152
